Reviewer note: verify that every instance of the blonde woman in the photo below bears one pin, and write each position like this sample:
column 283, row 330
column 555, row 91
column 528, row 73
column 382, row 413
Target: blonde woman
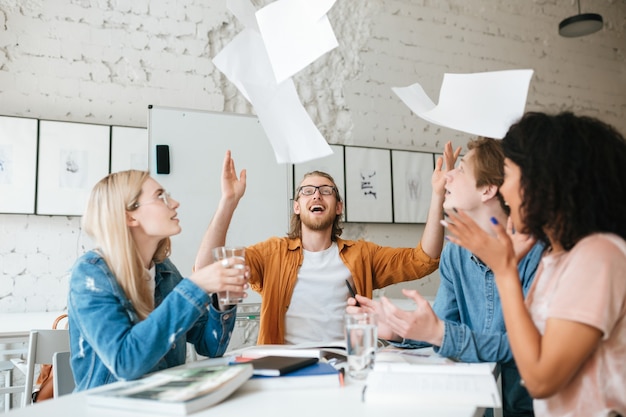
column 131, row 312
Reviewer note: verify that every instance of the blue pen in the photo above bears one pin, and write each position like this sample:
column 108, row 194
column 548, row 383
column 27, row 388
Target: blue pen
column 352, row 292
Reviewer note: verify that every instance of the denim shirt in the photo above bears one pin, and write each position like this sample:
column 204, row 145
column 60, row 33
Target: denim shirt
column 469, row 304
column 108, row 342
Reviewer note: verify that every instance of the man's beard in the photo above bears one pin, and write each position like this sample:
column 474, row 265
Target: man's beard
column 319, row 224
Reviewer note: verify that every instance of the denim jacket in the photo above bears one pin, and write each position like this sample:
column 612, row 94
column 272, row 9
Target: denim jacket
column 109, row 343
column 469, row 304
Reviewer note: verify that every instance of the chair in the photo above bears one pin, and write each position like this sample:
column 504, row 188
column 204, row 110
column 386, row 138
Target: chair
column 62, row 377
column 6, row 368
column 42, row 344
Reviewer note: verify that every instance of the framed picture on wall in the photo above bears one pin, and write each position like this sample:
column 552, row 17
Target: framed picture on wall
column 368, row 185
column 72, row 158
column 412, row 188
column 18, row 164
column 440, row 155
column 332, row 164
column 129, row 148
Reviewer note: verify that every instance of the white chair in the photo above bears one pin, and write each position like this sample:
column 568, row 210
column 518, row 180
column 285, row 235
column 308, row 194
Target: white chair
column 6, row 368
column 63, row 379
column 42, row 345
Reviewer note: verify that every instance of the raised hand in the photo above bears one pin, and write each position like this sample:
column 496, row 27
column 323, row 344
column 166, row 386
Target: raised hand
column 232, row 187
column 438, row 179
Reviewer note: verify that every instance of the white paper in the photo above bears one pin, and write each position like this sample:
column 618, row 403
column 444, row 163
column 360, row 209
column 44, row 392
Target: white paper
column 460, row 383
column 483, row 104
column 295, row 33
column 292, row 134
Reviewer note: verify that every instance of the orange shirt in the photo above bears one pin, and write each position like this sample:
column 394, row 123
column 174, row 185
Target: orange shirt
column 274, row 266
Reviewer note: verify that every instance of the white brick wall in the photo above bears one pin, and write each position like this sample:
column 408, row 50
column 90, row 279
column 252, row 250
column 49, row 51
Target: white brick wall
column 105, row 62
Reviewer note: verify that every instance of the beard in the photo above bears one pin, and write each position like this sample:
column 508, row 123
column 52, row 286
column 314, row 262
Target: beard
column 317, row 224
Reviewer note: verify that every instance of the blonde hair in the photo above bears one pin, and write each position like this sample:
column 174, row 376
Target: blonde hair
column 105, row 221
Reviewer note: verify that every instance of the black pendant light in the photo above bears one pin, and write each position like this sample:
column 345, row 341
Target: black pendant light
column 580, row 24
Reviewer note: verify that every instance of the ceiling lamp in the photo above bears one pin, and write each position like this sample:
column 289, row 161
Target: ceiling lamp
column 580, row 24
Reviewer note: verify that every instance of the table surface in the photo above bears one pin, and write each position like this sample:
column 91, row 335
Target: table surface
column 344, row 401
column 22, row 323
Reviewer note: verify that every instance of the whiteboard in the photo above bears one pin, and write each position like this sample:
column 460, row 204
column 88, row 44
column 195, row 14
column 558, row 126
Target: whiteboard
column 197, row 143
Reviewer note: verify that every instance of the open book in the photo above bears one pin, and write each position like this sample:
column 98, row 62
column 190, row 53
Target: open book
column 174, row 391
column 435, row 383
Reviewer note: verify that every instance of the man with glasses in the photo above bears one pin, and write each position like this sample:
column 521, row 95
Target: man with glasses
column 302, row 277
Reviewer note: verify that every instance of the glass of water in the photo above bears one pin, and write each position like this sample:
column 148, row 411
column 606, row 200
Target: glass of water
column 361, row 341
column 236, row 256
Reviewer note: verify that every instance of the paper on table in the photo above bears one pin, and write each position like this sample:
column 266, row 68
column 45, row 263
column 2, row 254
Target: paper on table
column 292, row 134
column 295, row 33
column 484, row 104
column 412, row 384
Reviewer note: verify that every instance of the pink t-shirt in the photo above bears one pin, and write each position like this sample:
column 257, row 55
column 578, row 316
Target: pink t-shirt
column 587, row 285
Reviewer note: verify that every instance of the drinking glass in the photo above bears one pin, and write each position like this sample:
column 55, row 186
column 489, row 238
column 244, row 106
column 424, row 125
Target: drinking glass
column 236, row 256
column 361, row 341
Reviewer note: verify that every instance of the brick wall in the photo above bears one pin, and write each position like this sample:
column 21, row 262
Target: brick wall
column 104, row 62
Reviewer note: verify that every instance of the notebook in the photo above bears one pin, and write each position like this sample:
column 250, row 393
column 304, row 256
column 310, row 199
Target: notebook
column 279, row 365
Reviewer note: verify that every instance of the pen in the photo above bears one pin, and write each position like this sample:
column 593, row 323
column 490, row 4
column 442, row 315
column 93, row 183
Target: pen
column 352, row 292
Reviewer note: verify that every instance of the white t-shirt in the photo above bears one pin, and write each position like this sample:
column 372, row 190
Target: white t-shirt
column 588, row 285
column 318, row 303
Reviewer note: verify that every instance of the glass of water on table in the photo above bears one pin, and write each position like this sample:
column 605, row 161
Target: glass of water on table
column 234, row 257
column 361, row 342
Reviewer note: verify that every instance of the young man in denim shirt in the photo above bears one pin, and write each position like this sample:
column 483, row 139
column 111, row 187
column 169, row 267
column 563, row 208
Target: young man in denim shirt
column 466, row 322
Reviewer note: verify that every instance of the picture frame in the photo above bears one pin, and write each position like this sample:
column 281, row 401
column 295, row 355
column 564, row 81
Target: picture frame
column 368, row 185
column 72, row 158
column 440, row 155
column 332, row 164
column 18, row 164
column 412, row 188
column 129, row 148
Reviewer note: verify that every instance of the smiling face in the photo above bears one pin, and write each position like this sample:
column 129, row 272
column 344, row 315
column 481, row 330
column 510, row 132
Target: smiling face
column 153, row 218
column 317, row 212
column 461, row 190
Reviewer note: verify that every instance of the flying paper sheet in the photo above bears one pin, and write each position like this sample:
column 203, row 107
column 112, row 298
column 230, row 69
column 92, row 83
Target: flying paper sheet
column 292, row 134
column 295, row 33
column 483, row 104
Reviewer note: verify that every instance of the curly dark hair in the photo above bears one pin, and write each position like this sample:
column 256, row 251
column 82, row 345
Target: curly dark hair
column 573, row 176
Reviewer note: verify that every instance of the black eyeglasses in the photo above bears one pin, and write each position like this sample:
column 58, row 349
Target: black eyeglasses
column 309, row 190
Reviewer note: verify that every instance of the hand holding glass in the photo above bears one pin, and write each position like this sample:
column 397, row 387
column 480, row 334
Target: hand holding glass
column 233, row 257
column 361, row 342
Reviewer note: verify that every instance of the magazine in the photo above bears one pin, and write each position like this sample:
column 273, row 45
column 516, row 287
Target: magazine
column 174, row 391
